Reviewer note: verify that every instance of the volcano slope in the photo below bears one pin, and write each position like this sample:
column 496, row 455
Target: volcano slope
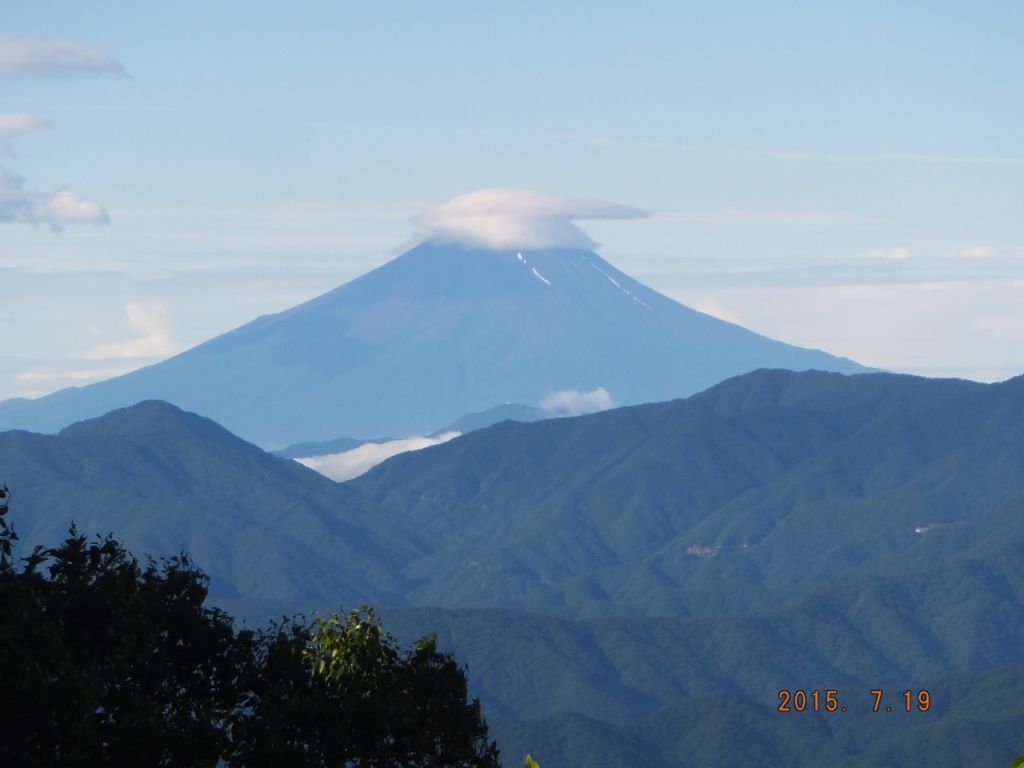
column 441, row 331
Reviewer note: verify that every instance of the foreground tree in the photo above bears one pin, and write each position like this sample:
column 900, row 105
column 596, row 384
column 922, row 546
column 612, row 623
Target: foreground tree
column 106, row 662
column 343, row 693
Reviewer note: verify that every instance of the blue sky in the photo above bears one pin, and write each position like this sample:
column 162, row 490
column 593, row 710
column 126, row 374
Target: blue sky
column 844, row 176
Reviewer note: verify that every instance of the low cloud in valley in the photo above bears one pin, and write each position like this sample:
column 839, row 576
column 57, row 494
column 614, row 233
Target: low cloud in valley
column 353, row 463
column 572, row 402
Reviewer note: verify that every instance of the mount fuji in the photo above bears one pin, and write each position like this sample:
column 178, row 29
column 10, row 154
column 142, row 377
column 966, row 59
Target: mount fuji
column 445, row 329
column 441, row 331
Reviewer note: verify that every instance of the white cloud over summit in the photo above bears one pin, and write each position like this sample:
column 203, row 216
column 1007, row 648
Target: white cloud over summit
column 508, row 217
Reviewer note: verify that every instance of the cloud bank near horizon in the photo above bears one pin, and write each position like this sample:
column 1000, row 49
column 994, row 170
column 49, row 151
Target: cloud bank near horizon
column 510, row 217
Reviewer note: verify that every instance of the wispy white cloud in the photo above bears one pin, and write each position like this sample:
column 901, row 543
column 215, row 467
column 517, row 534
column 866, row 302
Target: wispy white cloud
column 53, row 57
column 69, row 377
column 572, row 402
column 979, row 251
column 152, row 339
column 56, row 210
column 505, row 217
column 797, row 218
column 293, row 215
column 349, row 464
column 891, row 254
column 783, row 154
column 972, row 328
column 890, row 157
column 31, row 378
column 45, row 57
column 607, row 142
column 19, row 122
column 955, row 159
column 15, row 123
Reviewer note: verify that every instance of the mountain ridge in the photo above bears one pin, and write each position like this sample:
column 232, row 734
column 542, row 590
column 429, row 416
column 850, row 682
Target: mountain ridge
column 640, row 582
column 742, row 480
column 169, row 481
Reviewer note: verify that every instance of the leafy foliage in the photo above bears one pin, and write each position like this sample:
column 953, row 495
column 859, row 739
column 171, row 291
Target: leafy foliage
column 7, row 534
column 109, row 662
column 342, row 692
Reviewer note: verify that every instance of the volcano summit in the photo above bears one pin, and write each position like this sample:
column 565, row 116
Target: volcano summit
column 470, row 318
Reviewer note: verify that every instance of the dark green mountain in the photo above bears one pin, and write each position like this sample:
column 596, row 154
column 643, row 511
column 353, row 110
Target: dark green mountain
column 731, row 501
column 872, row 632
column 635, row 585
column 166, row 481
column 973, row 721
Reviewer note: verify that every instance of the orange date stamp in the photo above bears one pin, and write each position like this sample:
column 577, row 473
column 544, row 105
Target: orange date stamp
column 827, row 700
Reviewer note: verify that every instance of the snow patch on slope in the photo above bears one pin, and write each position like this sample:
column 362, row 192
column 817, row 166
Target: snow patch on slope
column 538, row 274
column 611, row 279
column 616, row 283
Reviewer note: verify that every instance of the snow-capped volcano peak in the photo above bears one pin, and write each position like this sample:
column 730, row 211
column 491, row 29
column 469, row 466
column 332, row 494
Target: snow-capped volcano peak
column 510, row 218
column 443, row 330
